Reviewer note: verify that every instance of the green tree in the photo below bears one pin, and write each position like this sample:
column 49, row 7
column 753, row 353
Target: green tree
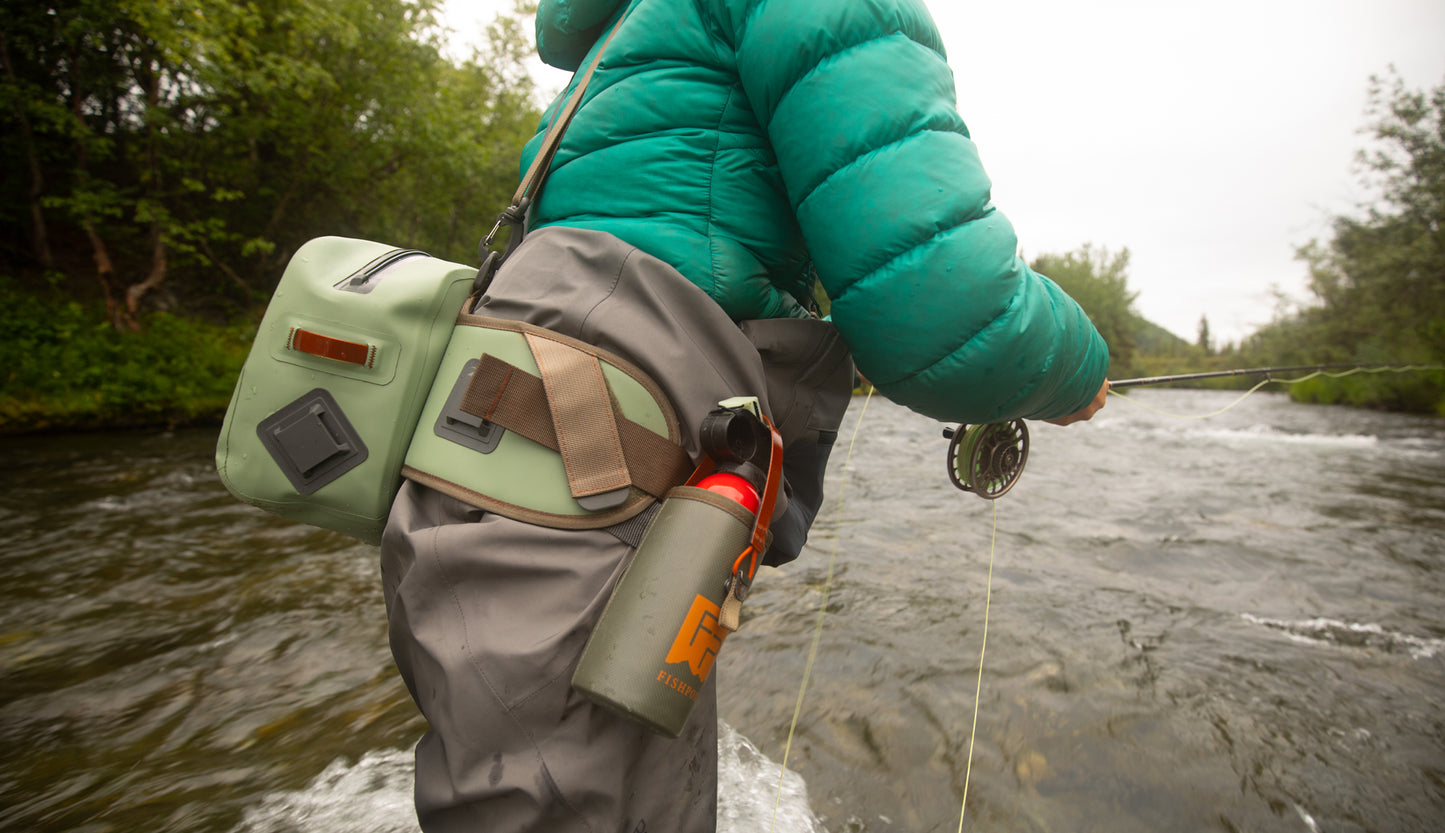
column 186, row 147
column 1099, row 281
column 1203, row 341
column 1378, row 284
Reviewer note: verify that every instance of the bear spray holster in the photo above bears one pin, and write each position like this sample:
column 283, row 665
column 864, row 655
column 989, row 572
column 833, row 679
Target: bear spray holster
column 681, row 595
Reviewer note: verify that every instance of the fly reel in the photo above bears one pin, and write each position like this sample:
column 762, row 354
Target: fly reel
column 987, row 459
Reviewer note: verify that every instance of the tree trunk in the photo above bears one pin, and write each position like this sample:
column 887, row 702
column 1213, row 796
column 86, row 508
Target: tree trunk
column 137, row 291
column 39, row 239
column 115, row 311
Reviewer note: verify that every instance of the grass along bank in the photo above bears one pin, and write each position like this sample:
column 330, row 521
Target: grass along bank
column 66, row 368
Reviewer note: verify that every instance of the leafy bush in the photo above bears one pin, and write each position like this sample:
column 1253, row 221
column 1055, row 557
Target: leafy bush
column 68, row 368
column 1379, row 297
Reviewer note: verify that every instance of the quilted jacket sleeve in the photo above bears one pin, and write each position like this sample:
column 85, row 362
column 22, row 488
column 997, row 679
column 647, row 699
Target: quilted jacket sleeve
column 927, row 287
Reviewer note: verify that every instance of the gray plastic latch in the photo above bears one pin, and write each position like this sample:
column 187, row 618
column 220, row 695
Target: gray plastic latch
column 312, row 441
column 461, row 427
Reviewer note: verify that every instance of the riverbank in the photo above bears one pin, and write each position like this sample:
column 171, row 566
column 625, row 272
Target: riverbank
column 68, row 370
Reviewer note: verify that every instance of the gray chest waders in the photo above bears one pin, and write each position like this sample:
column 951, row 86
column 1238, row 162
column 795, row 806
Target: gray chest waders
column 506, row 429
column 591, row 381
column 574, row 394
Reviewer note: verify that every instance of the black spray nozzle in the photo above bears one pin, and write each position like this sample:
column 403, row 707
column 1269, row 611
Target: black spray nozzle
column 738, row 442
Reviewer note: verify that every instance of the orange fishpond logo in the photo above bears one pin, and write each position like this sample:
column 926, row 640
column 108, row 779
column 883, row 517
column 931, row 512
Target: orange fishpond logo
column 697, row 643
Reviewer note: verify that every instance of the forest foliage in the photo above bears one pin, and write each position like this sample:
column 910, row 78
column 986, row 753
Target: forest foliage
column 164, row 158
column 1099, row 280
column 164, row 152
column 1378, row 284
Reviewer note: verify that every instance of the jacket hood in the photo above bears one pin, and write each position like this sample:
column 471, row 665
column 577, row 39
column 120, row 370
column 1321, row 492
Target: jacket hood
column 566, row 29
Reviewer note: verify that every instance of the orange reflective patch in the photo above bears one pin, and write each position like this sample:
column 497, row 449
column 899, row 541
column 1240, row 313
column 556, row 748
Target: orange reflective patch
column 327, row 347
column 699, row 639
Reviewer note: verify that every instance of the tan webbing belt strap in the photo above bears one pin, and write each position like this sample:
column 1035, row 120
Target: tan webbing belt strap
column 506, row 395
column 582, row 416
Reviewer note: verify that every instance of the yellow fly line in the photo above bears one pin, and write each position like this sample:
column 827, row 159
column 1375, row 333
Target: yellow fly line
column 1209, row 415
column 983, row 646
column 1402, row 368
column 822, row 612
column 818, row 636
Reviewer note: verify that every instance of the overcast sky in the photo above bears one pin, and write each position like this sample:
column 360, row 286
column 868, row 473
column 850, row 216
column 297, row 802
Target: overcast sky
column 1211, row 139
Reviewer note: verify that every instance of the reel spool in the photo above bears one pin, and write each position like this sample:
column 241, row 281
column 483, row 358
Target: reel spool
column 987, row 459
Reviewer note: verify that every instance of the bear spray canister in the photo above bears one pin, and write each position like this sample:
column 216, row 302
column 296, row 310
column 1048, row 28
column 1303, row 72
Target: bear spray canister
column 662, row 629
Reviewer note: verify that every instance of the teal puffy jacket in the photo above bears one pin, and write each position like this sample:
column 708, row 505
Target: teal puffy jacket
column 755, row 143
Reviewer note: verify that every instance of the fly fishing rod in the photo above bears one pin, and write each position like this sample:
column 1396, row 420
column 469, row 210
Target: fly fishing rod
column 1253, row 371
column 988, row 459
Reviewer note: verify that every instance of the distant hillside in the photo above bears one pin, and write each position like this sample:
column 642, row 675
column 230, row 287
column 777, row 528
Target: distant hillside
column 1153, row 340
column 1158, row 352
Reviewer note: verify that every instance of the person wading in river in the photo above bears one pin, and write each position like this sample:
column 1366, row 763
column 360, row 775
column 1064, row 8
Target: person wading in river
column 727, row 155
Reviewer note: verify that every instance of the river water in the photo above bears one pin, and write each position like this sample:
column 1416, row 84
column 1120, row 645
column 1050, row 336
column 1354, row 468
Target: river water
column 1229, row 624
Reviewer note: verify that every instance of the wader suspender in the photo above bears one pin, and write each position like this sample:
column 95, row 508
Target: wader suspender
column 514, row 217
column 584, row 430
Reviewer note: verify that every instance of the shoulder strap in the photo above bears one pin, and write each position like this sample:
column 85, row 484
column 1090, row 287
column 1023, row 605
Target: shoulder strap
column 514, row 216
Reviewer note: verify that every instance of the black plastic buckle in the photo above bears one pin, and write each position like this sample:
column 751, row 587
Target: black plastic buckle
column 514, row 217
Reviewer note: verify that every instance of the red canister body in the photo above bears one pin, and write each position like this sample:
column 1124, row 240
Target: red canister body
column 733, row 487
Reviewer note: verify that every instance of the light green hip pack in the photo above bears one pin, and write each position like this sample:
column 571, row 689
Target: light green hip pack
column 362, row 371
column 345, row 354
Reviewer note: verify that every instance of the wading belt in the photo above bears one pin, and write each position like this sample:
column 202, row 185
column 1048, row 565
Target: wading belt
column 543, row 428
